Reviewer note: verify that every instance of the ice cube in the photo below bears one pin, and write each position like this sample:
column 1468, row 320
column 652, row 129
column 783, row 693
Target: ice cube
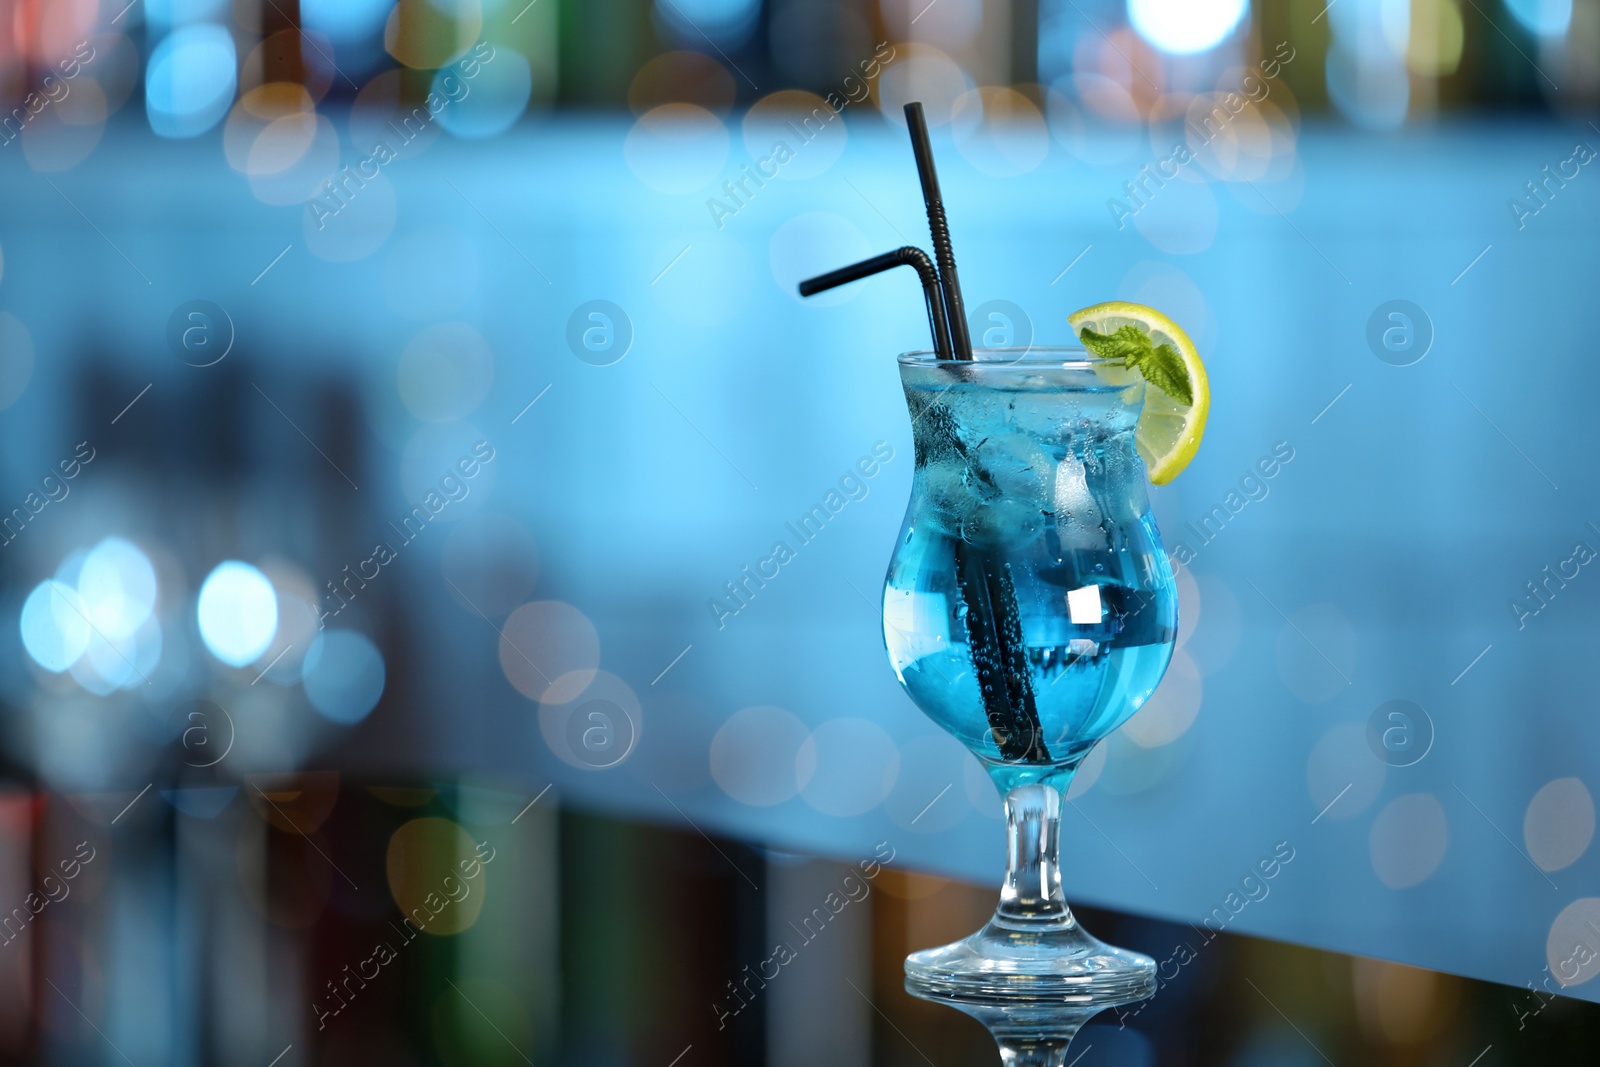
column 1078, row 519
column 1016, row 465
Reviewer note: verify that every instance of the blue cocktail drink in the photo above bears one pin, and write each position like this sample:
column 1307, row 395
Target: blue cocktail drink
column 1029, row 610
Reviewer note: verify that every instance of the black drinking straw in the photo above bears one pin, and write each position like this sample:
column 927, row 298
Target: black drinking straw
column 907, row 256
column 939, row 227
column 994, row 624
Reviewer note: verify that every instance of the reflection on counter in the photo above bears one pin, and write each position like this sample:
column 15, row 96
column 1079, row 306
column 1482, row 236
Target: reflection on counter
column 455, row 922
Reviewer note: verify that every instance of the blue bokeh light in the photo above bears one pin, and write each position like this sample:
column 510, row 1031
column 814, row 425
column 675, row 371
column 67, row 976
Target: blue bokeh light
column 489, row 104
column 344, row 676
column 55, row 627
column 237, row 613
column 183, row 12
column 1547, row 18
column 727, row 22
column 190, row 80
column 345, row 21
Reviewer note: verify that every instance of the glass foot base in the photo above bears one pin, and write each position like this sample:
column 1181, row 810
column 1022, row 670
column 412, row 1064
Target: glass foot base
column 1053, row 961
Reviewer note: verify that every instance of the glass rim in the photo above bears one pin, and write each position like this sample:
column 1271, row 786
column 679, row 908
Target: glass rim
column 1032, row 357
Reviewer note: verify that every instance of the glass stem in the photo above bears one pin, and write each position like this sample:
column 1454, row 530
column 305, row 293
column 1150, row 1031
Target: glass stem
column 1040, row 1052
column 1031, row 896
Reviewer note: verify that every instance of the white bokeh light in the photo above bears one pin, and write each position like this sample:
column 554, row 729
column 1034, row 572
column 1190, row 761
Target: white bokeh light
column 1408, row 840
column 118, row 587
column 1184, row 27
column 237, row 613
column 753, row 755
column 1559, row 824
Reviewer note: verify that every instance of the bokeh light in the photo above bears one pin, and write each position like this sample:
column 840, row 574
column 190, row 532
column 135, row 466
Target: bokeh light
column 118, row 587
column 727, row 23
column 385, row 113
column 948, row 23
column 1341, row 774
column 1000, row 131
column 445, row 372
column 1172, row 709
column 1131, row 769
column 682, row 78
column 927, row 797
column 492, row 102
column 1559, row 824
column 355, row 222
column 810, row 244
column 345, row 20
column 1396, row 1004
column 847, row 767
column 1546, row 18
column 62, row 136
column 1365, row 69
column 1184, row 27
column 237, row 613
column 792, row 134
column 549, row 651
column 283, row 141
column 921, row 72
column 436, row 876
column 754, row 754
column 1099, row 127
column 291, row 49
column 190, row 80
column 427, row 34
column 273, row 136
column 55, row 626
column 121, row 662
column 981, row 791
column 596, row 728
column 343, row 676
column 434, row 473
column 1573, row 947
column 1088, row 771
column 676, row 148
column 1408, row 840
column 299, row 622
column 1438, row 36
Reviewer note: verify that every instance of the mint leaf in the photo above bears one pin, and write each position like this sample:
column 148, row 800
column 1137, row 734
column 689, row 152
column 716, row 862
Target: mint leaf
column 1129, row 344
column 1160, row 365
column 1164, row 369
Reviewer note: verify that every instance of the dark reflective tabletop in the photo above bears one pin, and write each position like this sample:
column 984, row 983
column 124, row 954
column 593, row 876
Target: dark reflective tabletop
column 318, row 919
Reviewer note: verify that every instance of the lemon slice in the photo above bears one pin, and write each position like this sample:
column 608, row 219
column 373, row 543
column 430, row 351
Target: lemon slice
column 1169, row 430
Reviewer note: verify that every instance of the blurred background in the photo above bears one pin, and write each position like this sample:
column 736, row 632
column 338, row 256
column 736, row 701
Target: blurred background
column 400, row 404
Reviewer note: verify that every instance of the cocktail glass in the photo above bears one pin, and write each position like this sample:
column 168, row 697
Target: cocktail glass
column 1029, row 610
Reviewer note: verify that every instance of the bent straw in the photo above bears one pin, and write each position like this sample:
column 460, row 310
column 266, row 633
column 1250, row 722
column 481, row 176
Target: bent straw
column 908, row 256
column 994, row 623
column 939, row 227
